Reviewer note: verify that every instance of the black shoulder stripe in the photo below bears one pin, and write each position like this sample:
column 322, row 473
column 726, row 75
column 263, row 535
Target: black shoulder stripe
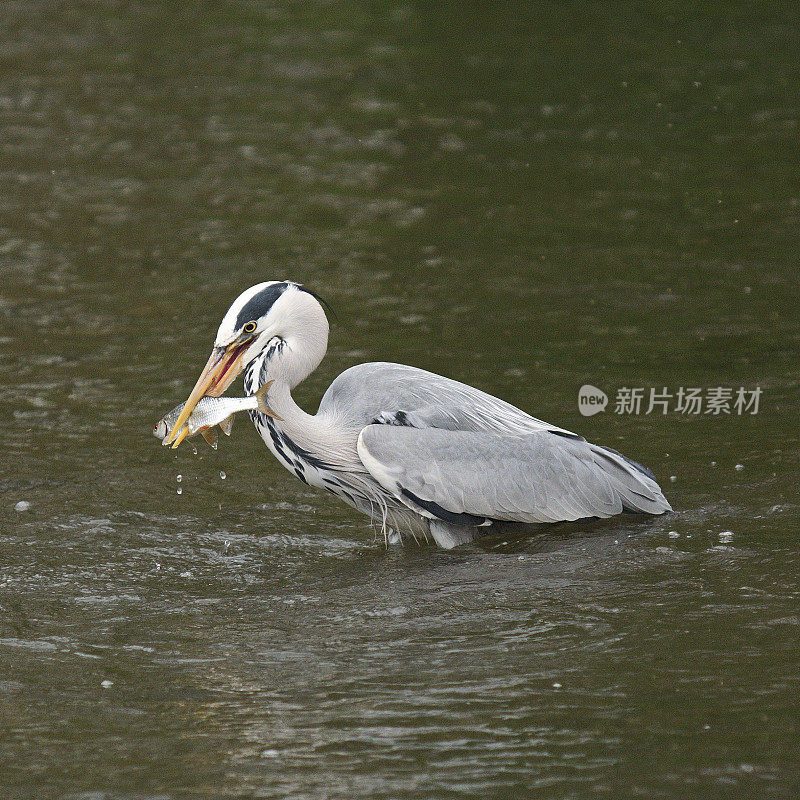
column 399, row 418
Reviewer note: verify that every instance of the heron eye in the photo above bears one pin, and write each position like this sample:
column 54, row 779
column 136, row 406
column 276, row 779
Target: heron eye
column 250, row 327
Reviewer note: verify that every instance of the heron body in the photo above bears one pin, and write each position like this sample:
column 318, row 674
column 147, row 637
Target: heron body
column 423, row 455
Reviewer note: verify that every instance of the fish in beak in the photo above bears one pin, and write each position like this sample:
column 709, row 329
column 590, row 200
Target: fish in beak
column 220, row 371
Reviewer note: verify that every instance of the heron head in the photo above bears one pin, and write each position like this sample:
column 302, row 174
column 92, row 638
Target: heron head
column 275, row 310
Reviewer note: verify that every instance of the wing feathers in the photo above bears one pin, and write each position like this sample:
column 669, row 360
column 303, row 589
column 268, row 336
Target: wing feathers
column 533, row 477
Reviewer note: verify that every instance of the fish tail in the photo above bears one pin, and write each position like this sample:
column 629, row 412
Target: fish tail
column 261, row 397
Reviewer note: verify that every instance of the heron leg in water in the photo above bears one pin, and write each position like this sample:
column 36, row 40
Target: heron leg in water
column 447, row 535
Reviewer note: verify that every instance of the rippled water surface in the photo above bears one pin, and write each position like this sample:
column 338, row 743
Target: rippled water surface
column 527, row 197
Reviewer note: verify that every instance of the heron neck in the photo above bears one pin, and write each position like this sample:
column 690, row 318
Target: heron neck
column 312, row 432
column 293, row 420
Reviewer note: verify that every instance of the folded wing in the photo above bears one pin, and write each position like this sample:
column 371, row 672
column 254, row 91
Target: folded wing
column 468, row 476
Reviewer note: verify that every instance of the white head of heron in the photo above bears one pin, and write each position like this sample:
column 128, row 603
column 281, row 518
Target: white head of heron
column 283, row 311
column 277, row 318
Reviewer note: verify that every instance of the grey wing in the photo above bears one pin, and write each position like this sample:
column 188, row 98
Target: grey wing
column 396, row 394
column 462, row 476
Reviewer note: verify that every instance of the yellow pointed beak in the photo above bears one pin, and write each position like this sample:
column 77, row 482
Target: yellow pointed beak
column 221, row 369
column 183, row 434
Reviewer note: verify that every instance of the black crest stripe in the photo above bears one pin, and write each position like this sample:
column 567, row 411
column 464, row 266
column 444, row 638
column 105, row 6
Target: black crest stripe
column 260, row 303
column 319, row 299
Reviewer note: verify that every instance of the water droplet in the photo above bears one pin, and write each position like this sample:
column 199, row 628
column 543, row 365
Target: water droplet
column 179, row 478
column 22, row 505
column 180, row 490
column 222, row 475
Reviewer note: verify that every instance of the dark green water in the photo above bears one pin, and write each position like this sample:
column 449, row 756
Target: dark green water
column 526, row 197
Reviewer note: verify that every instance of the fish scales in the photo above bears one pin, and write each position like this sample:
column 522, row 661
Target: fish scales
column 211, row 411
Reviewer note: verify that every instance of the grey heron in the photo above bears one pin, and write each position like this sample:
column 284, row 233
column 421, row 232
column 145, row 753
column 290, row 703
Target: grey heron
column 423, row 455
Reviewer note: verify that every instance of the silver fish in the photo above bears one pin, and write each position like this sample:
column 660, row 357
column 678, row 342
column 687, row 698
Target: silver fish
column 211, row 411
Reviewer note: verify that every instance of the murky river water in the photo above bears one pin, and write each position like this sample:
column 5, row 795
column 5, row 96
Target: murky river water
column 527, row 197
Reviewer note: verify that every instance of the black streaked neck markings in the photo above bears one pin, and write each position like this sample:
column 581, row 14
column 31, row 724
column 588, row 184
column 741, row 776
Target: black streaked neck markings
column 285, row 446
column 250, row 385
